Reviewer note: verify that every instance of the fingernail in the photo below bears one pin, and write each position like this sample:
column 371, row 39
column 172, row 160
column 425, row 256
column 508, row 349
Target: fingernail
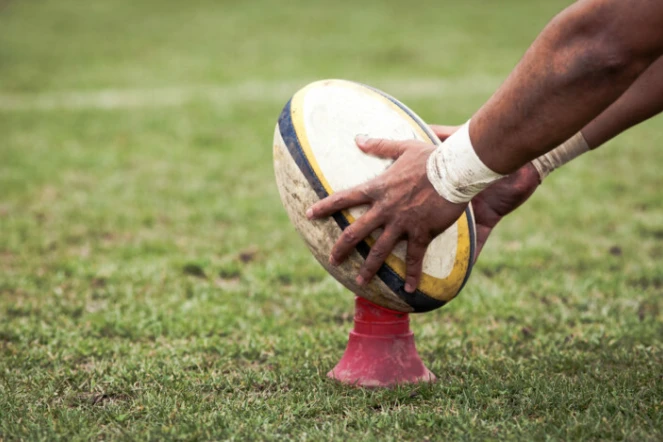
column 409, row 287
column 332, row 261
column 361, row 139
column 360, row 280
column 309, row 213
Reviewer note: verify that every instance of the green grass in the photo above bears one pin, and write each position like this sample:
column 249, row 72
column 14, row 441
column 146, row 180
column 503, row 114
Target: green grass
column 152, row 287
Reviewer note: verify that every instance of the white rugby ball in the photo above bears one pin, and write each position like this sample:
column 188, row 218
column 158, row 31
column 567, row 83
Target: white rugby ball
column 315, row 155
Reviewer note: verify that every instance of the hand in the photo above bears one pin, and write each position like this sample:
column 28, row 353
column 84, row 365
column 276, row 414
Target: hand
column 501, row 198
column 402, row 202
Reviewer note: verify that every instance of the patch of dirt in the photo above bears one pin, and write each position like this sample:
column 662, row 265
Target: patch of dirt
column 646, row 282
column 229, row 273
column 527, row 332
column 648, row 309
column 194, row 270
column 98, row 282
column 248, row 255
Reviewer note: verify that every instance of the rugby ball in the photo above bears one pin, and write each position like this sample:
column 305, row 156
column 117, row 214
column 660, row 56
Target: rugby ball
column 315, row 155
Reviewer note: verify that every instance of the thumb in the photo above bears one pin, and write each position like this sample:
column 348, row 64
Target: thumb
column 443, row 132
column 381, row 147
column 483, row 232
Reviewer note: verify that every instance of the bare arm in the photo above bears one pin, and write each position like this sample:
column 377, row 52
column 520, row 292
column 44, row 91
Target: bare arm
column 584, row 60
column 641, row 101
column 581, row 63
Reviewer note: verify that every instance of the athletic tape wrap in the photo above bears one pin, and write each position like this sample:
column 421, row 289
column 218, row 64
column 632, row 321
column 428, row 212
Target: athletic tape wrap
column 562, row 154
column 455, row 170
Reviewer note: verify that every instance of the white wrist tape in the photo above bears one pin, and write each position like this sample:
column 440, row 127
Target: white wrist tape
column 455, row 170
column 562, row 154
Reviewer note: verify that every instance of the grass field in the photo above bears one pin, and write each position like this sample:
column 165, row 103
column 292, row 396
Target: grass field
column 152, row 287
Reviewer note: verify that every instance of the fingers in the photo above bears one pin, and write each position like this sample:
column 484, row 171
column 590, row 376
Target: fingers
column 339, row 201
column 381, row 147
column 379, row 252
column 482, row 236
column 353, row 234
column 416, row 250
column 443, row 132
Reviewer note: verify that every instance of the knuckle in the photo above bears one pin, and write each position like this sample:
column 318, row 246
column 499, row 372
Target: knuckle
column 369, row 269
column 412, row 260
column 378, row 144
column 367, row 190
column 349, row 236
column 374, row 190
column 402, row 225
column 379, row 252
column 420, row 239
column 366, row 274
column 339, row 252
column 340, row 200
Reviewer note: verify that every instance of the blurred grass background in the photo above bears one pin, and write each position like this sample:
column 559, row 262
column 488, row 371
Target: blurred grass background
column 151, row 286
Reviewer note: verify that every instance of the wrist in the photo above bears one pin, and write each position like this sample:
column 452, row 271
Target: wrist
column 562, row 154
column 455, row 170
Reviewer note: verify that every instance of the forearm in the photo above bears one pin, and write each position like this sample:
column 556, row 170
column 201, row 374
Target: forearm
column 641, row 101
column 583, row 61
